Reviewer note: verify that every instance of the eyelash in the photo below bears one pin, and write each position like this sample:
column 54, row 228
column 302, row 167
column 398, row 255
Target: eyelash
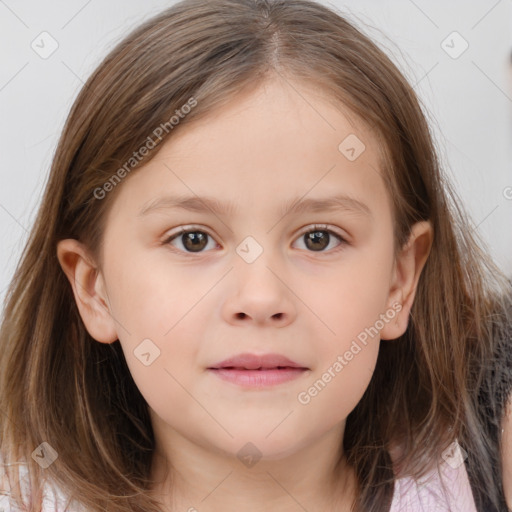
column 313, row 228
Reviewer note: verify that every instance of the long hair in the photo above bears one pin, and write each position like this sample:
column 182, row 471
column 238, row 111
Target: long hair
column 421, row 396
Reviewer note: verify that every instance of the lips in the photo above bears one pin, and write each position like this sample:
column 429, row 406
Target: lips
column 258, row 372
column 248, row 361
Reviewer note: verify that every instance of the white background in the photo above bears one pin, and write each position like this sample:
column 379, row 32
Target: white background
column 469, row 99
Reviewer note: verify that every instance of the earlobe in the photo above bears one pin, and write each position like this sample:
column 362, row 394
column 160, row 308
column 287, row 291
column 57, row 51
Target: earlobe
column 88, row 289
column 406, row 274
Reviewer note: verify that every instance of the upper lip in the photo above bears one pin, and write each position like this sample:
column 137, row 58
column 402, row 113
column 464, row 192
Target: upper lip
column 253, row 362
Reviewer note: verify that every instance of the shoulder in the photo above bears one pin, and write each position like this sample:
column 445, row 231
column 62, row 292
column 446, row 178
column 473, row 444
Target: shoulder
column 53, row 500
column 444, row 489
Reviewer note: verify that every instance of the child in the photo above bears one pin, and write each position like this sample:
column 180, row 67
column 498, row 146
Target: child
column 255, row 367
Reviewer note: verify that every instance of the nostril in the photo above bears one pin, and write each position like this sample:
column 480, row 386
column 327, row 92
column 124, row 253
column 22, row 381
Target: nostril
column 240, row 315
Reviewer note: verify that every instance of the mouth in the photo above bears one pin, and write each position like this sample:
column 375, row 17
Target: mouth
column 258, row 371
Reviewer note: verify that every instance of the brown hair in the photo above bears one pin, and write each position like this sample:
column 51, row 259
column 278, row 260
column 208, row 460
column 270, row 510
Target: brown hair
column 210, row 50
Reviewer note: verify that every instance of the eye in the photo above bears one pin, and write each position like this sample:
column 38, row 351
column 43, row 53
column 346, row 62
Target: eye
column 320, row 237
column 193, row 240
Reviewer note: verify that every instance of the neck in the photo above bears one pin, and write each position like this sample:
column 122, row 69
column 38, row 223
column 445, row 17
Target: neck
column 194, row 479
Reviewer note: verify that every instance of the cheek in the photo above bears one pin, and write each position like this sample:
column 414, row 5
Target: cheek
column 335, row 390
column 155, row 308
column 351, row 298
column 351, row 303
column 150, row 296
column 346, row 359
column 163, row 367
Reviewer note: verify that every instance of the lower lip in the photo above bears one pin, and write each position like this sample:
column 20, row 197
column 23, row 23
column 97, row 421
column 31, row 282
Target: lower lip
column 258, row 378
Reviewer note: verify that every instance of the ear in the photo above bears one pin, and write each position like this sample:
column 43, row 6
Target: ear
column 88, row 288
column 406, row 273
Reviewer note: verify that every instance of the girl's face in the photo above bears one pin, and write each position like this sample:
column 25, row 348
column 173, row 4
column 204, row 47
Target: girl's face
column 254, row 179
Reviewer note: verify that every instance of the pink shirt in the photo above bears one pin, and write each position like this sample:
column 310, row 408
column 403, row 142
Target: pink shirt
column 429, row 495
column 426, row 495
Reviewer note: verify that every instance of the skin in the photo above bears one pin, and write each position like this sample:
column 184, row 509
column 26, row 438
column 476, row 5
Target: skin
column 265, row 148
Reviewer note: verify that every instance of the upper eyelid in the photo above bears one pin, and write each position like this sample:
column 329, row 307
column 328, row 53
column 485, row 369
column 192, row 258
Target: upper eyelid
column 322, row 227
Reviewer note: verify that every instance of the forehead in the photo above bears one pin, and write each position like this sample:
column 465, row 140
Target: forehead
column 278, row 142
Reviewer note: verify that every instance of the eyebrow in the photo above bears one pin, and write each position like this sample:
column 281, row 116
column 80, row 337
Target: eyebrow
column 295, row 206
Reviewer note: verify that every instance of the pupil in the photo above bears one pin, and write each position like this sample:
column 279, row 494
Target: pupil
column 319, row 240
column 194, row 241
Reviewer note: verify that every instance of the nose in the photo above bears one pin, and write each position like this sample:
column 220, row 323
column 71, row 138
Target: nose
column 259, row 295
